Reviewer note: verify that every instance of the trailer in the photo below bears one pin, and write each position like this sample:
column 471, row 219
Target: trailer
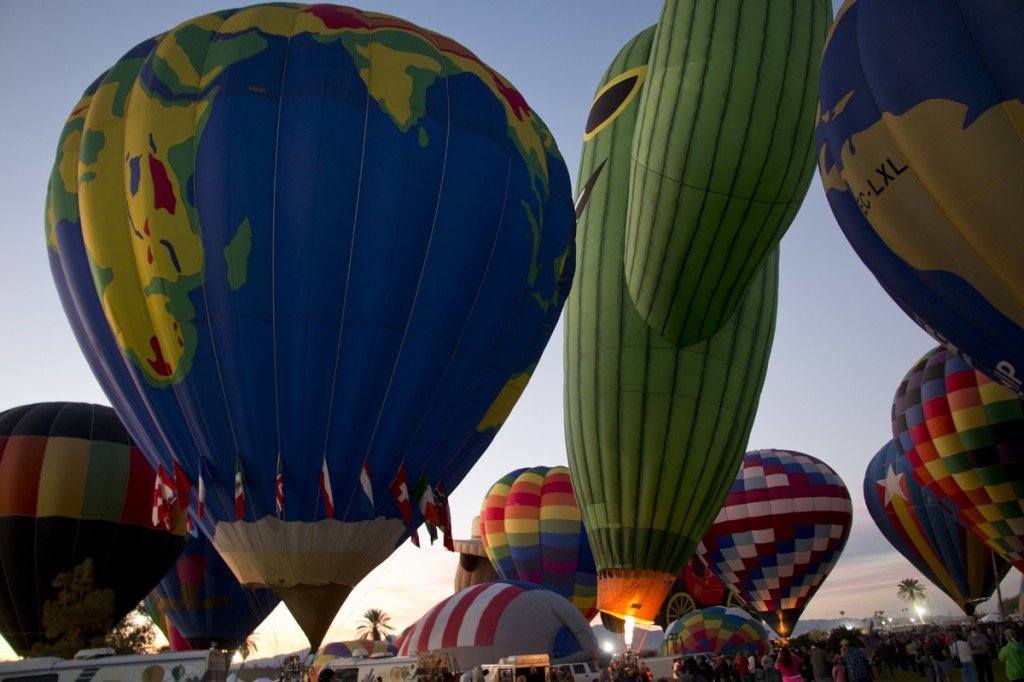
column 101, row 666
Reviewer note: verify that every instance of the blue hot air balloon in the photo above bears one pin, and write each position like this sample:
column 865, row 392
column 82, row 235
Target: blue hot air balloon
column 956, row 560
column 921, row 158
column 313, row 256
column 203, row 600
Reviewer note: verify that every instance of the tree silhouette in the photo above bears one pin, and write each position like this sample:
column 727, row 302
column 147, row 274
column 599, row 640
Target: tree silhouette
column 374, row 625
column 910, row 590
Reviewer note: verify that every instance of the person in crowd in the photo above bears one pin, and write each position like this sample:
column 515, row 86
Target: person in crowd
column 743, row 668
column 857, row 666
column 821, row 663
column 981, row 650
column 838, row 669
column 721, row 669
column 705, row 669
column 691, row 672
column 960, row 651
column 1012, row 656
column 939, row 655
column 677, row 669
column 788, row 666
column 806, row 671
column 768, row 663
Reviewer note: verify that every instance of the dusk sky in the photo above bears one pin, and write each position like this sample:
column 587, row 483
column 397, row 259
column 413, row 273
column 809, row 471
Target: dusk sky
column 841, row 345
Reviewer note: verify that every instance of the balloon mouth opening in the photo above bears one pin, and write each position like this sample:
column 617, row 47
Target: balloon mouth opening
column 635, row 594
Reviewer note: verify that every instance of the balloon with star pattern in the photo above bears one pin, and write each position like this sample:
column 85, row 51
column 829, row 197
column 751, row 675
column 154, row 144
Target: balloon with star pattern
column 926, row 534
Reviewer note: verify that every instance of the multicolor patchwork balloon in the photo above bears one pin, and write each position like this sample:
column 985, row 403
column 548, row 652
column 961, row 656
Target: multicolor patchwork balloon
column 921, row 156
column 715, row 630
column 484, row 623
column 532, row 531
column 779, row 533
column 74, row 486
column 963, row 435
column 313, row 255
column 927, row 534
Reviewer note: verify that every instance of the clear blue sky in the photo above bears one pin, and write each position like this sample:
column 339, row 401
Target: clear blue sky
column 841, row 345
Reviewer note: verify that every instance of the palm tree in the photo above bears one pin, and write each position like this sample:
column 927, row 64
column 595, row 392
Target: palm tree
column 910, row 590
column 374, row 625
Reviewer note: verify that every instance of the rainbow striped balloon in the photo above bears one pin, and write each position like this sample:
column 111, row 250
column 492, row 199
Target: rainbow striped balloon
column 532, row 531
column 964, row 436
column 717, row 630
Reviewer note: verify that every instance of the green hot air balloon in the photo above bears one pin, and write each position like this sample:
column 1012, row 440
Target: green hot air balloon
column 722, row 156
column 655, row 433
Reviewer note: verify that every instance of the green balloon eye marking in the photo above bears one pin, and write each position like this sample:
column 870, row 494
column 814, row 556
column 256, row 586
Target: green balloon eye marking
column 612, row 99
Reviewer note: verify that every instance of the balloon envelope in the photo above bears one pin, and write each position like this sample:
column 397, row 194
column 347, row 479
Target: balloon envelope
column 313, row 255
column 921, row 157
column 646, row 420
column 532, row 532
column 484, row 623
column 715, row 630
column 963, row 436
column 722, row 155
column 926, row 534
column 779, row 533
column 358, row 648
column 74, row 486
column 206, row 604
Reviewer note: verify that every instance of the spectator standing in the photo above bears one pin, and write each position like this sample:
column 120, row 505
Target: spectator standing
column 768, row 663
column 962, row 651
column 838, row 669
column 981, row 651
column 743, row 668
column 821, row 663
column 857, row 667
column 939, row 656
column 1012, row 656
column 704, row 668
column 788, row 666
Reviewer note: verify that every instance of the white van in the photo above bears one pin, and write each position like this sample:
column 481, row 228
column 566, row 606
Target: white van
column 581, row 672
column 390, row 669
column 99, row 666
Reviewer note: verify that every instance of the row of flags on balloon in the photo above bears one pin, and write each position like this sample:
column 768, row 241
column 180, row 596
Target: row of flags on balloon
column 431, row 501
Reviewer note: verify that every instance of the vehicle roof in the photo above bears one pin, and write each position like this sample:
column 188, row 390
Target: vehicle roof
column 53, row 663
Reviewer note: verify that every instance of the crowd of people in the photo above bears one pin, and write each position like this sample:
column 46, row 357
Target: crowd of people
column 932, row 653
